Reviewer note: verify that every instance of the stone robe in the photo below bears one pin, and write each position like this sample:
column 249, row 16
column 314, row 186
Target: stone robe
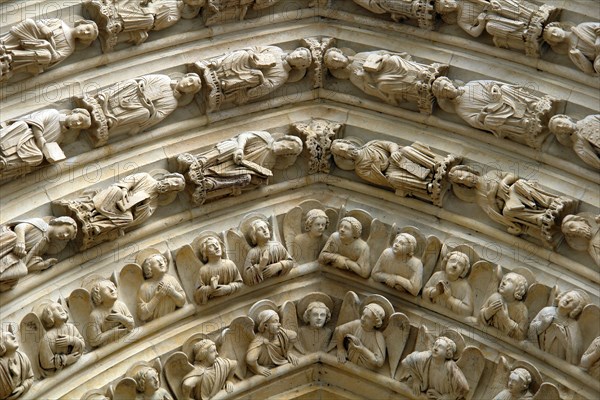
column 52, row 356
column 275, row 253
column 272, row 352
column 517, row 311
column 165, row 306
column 389, row 266
column 228, row 274
column 557, row 335
column 209, row 381
column 373, row 340
column 99, row 324
column 461, row 290
column 14, row 376
column 357, row 251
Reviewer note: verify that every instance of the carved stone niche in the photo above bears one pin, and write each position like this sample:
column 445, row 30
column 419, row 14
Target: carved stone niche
column 306, row 229
column 205, row 269
column 148, row 287
column 98, row 312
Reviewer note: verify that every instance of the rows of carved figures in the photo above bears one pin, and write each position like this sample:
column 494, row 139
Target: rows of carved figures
column 452, row 280
column 134, row 105
column 246, row 162
column 33, row 46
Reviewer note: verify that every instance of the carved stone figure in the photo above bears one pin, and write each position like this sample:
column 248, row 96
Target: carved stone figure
column 580, row 42
column 391, row 77
column 110, row 319
column 249, row 74
column 434, row 372
column 555, row 329
column 508, row 111
column 141, row 382
column 23, row 243
column 413, row 170
column 517, row 387
column 513, row 24
column 33, row 46
column 505, row 310
column 582, row 232
column 397, row 266
column 209, row 373
column 134, row 105
column 449, row 287
column 16, row 375
column 223, row 11
column 105, row 214
column 590, row 360
column 161, row 293
column 307, row 246
column 27, row 141
column 315, row 311
column 132, row 20
column 582, row 136
column 346, row 250
column 243, row 162
column 424, row 11
column 369, row 331
column 520, row 205
column 519, row 381
column 318, row 135
column 267, row 258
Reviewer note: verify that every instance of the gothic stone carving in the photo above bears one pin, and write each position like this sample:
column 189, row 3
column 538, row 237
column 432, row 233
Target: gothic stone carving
column 391, row 77
column 314, row 310
column 590, row 360
column 423, row 11
column 582, row 136
column 346, row 250
column 520, row 380
column 33, row 46
column 23, row 243
column 16, row 375
column 223, row 11
column 105, row 214
column 318, row 135
column 580, row 42
column 582, row 232
column 241, row 163
column 141, row 382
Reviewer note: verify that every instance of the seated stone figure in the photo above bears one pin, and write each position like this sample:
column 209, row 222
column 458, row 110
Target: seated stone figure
column 520, row 205
column 505, row 310
column 210, row 372
column 33, row 46
column 267, row 258
column 16, row 375
column 580, row 42
column 134, row 105
column 161, row 293
column 23, row 243
column 27, row 141
column 555, row 329
column 110, row 319
column 105, row 214
column 392, row 77
column 271, row 346
column 508, row 111
column 62, row 344
column 346, row 250
column 449, row 287
column 397, row 266
column 244, row 161
column 434, row 373
column 582, row 136
column 517, row 387
column 248, row 74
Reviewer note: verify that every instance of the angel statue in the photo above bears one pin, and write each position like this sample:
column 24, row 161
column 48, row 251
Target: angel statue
column 307, row 229
column 61, row 343
column 519, row 380
column 158, row 293
column 142, row 382
column 267, row 258
column 204, row 263
column 590, row 360
column 23, row 243
column 96, row 304
column 345, row 249
column 582, row 136
column 203, row 379
column 259, row 342
column 369, row 330
column 16, row 375
column 505, row 309
column 446, row 369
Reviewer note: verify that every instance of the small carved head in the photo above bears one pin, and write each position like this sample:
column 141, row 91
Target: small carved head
column 317, row 314
column 147, row 380
column 513, row 284
column 288, row 145
column 210, row 246
column 189, row 83
column 445, row 6
column 8, row 342
column 372, row 315
column 576, row 226
column 563, row 128
column 572, row 302
column 444, row 88
column 464, row 176
column 62, row 228
column 102, row 291
column 350, row 225
column 259, row 230
column 78, row 118
column 316, row 220
column 335, row 58
column 444, row 347
column 268, row 321
column 86, row 31
column 51, row 313
column 205, row 350
column 456, row 264
column 554, row 33
column 404, row 243
column 518, row 381
column 300, row 58
column 173, row 182
column 154, row 264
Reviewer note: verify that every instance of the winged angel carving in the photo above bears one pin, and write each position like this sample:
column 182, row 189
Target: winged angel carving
column 141, row 382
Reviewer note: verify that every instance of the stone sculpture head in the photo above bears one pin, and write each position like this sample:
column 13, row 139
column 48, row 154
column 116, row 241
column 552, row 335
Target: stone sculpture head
column 268, row 321
column 317, row 314
column 8, row 343
column 443, row 347
column 85, row 31
column 404, row 244
column 563, row 127
column 445, row 6
column 316, row 222
column 189, row 83
column 210, row 247
column 575, row 226
column 62, row 229
column 518, row 381
column 513, row 286
column 287, row 148
column 344, row 153
column 147, row 380
column 300, row 58
column 554, row 33
column 372, row 316
column 173, row 182
column 52, row 313
column 444, row 88
column 260, row 232
column 349, row 228
column 78, row 118
column 456, row 264
column 104, row 292
column 335, row 58
column 155, row 266
column 571, row 303
column 205, row 352
column 464, row 176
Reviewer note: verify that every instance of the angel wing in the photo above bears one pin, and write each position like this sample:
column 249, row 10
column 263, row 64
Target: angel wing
column 547, row 392
column 131, row 278
column 425, row 339
column 588, row 324
column 350, row 310
column 292, row 226
column 125, row 389
column 235, row 340
column 471, row 363
column 396, row 335
column 32, row 333
column 538, row 297
column 288, row 316
column 80, row 306
column 484, row 280
column 377, row 241
column 499, row 378
column 177, row 367
column 188, row 266
column 237, row 249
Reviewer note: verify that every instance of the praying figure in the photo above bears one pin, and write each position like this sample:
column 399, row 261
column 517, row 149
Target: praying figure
column 449, row 287
column 110, row 319
column 346, row 250
column 16, row 375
